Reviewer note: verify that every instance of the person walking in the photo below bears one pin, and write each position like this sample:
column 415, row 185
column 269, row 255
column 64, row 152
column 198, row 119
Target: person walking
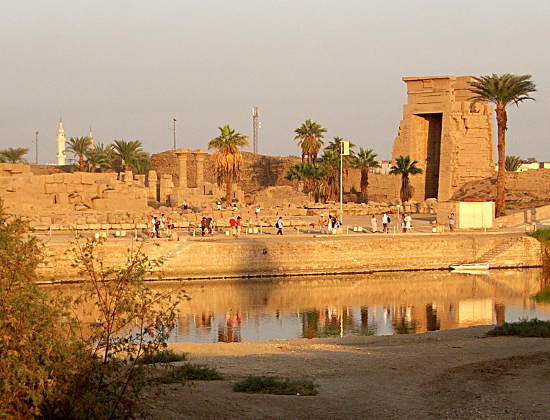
column 257, row 211
column 374, row 224
column 239, row 226
column 279, row 225
column 403, row 223
column 233, row 225
column 329, row 224
column 203, row 225
column 219, row 204
column 452, row 222
column 408, row 223
column 323, row 223
column 385, row 223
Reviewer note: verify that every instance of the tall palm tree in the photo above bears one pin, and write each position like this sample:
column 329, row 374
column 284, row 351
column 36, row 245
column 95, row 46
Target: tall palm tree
column 513, row 163
column 228, row 157
column 331, row 161
column 129, row 152
column 310, row 139
column 11, row 155
column 404, row 167
column 100, row 156
column 365, row 160
column 79, row 146
column 502, row 91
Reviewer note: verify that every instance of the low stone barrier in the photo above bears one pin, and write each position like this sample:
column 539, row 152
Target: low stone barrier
column 269, row 256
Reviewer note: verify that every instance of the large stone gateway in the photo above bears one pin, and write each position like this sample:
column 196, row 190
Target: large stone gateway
column 452, row 142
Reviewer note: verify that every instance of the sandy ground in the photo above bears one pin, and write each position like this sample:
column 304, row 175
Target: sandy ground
column 456, row 374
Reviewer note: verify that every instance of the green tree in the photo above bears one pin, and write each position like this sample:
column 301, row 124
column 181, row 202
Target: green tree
column 228, row 157
column 100, row 156
column 502, row 91
column 513, row 163
column 11, row 155
column 365, row 160
column 79, row 146
column 331, row 161
column 314, row 177
column 310, row 139
column 404, row 167
column 129, row 153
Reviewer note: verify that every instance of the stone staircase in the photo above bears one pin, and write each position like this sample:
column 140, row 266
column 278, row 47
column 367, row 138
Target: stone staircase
column 491, row 256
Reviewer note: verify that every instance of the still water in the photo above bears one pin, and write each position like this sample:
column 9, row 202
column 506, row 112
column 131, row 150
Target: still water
column 374, row 304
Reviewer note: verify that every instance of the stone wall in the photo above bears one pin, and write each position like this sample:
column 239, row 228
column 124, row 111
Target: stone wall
column 294, row 256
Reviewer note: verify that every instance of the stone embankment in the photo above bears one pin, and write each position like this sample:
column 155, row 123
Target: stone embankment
column 209, row 258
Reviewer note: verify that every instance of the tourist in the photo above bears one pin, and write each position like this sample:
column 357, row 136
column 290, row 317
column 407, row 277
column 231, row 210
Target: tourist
column 219, row 204
column 169, row 227
column 257, row 211
column 210, row 226
column 452, row 222
column 162, row 219
column 374, row 224
column 233, row 225
column 323, row 223
column 203, row 226
column 408, row 223
column 239, row 225
column 385, row 223
column 329, row 226
column 185, row 207
column 403, row 223
column 151, row 227
column 279, row 225
column 234, row 206
column 157, row 227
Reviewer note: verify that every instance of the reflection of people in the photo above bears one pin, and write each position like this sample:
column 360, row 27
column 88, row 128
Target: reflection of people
column 279, row 225
column 374, row 224
column 452, row 222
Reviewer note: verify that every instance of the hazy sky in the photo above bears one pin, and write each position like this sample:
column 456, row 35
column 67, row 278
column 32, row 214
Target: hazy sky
column 128, row 68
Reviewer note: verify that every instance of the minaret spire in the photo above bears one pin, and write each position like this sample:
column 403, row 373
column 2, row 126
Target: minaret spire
column 60, row 144
column 91, row 138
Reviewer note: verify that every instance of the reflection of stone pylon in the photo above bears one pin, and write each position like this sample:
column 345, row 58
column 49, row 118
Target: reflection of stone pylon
column 60, row 144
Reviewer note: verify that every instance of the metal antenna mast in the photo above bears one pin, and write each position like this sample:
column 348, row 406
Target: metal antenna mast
column 255, row 127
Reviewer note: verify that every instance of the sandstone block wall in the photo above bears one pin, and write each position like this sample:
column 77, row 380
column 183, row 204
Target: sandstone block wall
column 282, row 257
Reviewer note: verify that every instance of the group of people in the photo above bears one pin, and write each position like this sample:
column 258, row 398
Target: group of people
column 406, row 223
column 159, row 225
column 236, row 226
column 207, row 226
column 328, row 224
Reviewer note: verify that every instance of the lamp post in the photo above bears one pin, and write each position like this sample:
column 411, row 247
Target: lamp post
column 36, row 146
column 174, row 134
column 344, row 151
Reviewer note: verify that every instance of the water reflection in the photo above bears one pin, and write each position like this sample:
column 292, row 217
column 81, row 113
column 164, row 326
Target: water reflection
column 379, row 304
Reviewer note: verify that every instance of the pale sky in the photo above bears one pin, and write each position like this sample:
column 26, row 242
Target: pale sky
column 128, row 68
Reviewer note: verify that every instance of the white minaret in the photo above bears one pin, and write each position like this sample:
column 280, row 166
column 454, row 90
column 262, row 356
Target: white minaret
column 60, row 144
column 91, row 139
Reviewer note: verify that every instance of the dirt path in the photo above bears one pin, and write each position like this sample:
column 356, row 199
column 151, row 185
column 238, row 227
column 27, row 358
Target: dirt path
column 456, row 374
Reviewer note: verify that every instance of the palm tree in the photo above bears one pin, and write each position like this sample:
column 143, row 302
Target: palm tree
column 129, row 152
column 365, row 160
column 513, row 163
column 331, row 161
column 100, row 156
column 313, row 175
column 310, row 139
column 501, row 91
column 79, row 146
column 228, row 157
column 404, row 167
column 11, row 155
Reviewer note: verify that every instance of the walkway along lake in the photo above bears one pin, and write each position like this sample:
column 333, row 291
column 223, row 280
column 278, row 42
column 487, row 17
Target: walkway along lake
column 377, row 303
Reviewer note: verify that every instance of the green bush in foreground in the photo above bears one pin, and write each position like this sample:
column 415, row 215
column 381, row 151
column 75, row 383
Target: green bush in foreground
column 525, row 328
column 189, row 372
column 269, row 385
column 162, row 356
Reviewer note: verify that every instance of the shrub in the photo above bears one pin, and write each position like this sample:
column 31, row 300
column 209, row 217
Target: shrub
column 543, row 235
column 523, row 328
column 270, row 385
column 162, row 356
column 189, row 372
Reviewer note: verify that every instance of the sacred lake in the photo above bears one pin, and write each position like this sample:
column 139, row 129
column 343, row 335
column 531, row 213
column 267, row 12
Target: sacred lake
column 347, row 305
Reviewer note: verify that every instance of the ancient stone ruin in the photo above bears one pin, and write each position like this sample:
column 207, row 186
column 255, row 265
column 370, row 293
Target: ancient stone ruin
column 452, row 142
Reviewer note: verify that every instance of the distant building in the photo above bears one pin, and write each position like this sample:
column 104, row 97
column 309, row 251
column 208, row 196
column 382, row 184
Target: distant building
column 60, row 144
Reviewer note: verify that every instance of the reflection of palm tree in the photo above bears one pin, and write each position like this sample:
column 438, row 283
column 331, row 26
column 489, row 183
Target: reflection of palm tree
column 310, row 324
